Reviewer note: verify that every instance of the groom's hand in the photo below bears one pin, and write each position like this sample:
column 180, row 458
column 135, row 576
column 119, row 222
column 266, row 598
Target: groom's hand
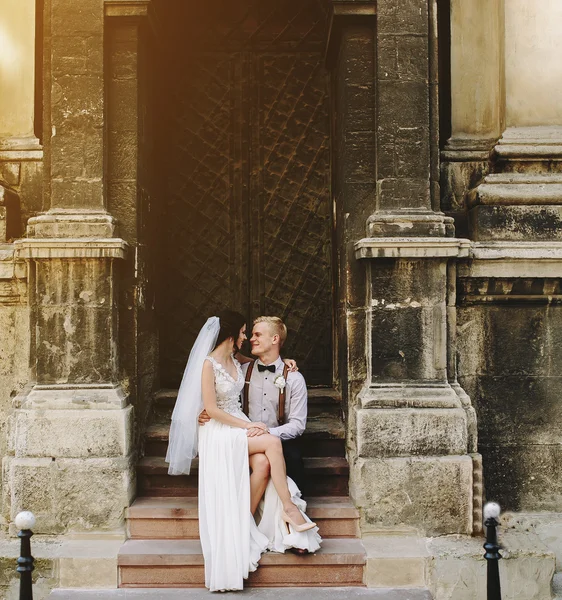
column 203, row 417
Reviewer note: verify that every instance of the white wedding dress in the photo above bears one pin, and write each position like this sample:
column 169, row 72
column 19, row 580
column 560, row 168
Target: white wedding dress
column 232, row 542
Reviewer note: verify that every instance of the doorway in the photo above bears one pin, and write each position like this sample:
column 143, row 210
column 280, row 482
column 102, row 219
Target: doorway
column 243, row 160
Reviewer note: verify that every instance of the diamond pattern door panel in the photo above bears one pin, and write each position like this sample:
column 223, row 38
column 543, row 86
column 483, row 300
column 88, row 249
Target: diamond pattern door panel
column 245, row 148
column 201, row 244
column 293, row 195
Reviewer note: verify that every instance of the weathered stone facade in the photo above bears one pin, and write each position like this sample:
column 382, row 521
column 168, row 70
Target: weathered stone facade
column 446, row 257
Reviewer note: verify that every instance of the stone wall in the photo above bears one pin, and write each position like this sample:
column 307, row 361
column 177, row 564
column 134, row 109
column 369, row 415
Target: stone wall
column 502, row 185
column 14, row 347
column 515, row 382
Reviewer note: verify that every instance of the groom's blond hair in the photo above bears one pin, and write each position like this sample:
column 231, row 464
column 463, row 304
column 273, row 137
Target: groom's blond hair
column 277, row 327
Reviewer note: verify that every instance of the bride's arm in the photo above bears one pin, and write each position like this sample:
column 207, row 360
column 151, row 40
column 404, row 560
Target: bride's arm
column 210, row 402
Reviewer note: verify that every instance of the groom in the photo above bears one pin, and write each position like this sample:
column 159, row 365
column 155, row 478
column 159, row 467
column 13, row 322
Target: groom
column 275, row 397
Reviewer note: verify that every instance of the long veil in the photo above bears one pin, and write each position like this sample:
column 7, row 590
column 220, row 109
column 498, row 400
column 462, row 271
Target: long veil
column 182, row 447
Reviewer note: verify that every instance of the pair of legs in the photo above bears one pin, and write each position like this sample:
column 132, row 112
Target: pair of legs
column 266, row 456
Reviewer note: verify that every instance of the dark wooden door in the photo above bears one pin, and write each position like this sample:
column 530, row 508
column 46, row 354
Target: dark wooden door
column 245, row 161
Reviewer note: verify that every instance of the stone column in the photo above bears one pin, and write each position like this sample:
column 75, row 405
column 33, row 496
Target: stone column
column 17, row 73
column 477, row 74
column 73, row 458
column 408, row 431
column 20, row 151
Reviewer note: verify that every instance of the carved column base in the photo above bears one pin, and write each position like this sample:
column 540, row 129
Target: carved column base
column 59, row 223
column 409, row 222
column 71, row 457
column 522, row 199
column 410, row 431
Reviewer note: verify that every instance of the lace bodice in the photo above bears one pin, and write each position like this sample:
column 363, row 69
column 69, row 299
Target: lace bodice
column 226, row 388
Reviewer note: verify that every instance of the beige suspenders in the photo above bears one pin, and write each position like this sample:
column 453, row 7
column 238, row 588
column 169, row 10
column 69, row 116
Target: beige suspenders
column 282, row 394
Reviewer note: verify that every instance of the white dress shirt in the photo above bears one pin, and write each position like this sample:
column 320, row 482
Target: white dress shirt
column 263, row 400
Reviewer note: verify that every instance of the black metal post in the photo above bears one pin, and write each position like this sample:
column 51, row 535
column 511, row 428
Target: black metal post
column 492, row 557
column 25, row 565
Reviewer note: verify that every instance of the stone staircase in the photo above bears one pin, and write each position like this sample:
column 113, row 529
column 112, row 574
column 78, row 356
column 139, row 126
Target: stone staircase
column 163, row 549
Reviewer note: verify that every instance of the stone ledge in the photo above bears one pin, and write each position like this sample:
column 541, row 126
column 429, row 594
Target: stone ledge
column 127, row 8
column 400, row 395
column 30, row 248
column 453, row 567
column 72, row 397
column 72, row 223
column 456, row 568
column 513, row 259
column 467, row 149
column 516, row 193
column 88, row 561
column 411, row 247
column 529, row 151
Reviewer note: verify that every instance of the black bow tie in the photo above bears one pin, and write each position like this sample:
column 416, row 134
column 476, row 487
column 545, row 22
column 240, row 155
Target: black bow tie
column 262, row 368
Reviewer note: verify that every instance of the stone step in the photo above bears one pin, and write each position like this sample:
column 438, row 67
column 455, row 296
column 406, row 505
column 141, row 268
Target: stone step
column 176, row 518
column 324, row 436
column 179, row 563
column 321, row 401
column 272, row 593
column 325, row 476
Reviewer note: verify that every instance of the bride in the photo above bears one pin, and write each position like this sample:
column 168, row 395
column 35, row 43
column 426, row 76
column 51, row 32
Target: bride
column 231, row 540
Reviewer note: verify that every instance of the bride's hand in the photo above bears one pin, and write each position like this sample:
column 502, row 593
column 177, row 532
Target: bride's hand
column 292, row 364
column 259, row 425
column 255, row 432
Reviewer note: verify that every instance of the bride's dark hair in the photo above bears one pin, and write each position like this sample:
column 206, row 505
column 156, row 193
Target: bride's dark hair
column 231, row 322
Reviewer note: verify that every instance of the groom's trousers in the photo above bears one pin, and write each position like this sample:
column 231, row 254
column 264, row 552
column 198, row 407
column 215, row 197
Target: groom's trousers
column 293, row 459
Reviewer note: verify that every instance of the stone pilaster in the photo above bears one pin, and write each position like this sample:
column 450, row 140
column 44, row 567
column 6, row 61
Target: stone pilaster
column 407, row 122
column 351, row 58
column 130, row 174
column 411, row 426
column 71, row 455
column 72, row 449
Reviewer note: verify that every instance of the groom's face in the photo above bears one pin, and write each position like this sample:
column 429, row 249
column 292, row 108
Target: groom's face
column 263, row 339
